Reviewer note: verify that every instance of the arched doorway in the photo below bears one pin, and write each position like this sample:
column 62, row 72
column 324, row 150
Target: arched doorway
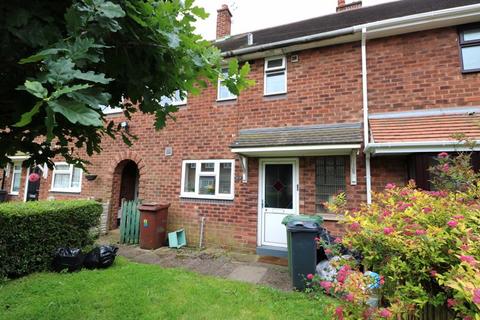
column 125, row 186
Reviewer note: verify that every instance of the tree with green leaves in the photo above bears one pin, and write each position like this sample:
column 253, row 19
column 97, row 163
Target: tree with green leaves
column 61, row 61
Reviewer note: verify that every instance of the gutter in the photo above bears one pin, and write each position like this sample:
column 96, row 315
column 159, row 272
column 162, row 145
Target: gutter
column 373, row 27
column 391, row 145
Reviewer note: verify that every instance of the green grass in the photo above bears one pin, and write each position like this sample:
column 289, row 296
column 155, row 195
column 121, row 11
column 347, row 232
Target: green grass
column 136, row 291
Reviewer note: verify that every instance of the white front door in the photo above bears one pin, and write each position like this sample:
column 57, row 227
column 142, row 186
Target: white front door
column 278, row 192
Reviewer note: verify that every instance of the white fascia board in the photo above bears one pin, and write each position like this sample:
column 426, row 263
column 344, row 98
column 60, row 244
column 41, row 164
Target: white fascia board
column 419, row 147
column 312, row 150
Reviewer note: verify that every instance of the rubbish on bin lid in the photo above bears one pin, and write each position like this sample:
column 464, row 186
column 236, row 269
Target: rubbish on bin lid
column 326, row 271
column 70, row 259
column 100, row 257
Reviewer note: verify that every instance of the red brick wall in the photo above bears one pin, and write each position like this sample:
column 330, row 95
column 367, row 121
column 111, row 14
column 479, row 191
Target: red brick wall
column 419, row 71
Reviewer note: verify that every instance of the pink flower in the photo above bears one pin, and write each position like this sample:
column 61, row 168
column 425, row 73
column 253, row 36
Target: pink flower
column 328, row 251
column 464, row 247
column 386, row 213
column 385, row 313
column 451, row 303
column 445, row 167
column 339, row 313
column 355, row 226
column 382, row 280
column 420, row 232
column 467, row 318
column 404, row 192
column 452, row 223
column 338, row 240
column 468, row 259
column 390, row 186
column 349, row 297
column 343, row 273
column 388, row 230
column 476, row 296
column 427, row 210
column 459, row 217
column 309, row 276
column 327, row 285
column 402, row 206
column 433, row 273
column 443, row 155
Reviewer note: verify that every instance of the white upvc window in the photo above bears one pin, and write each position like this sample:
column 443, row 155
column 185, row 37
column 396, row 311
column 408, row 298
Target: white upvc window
column 111, row 110
column 275, row 77
column 66, row 178
column 16, row 178
column 222, row 92
column 208, row 179
column 175, row 99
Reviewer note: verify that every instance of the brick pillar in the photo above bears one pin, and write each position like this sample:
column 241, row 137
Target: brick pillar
column 224, row 21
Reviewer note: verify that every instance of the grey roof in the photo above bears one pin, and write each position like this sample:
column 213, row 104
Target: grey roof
column 340, row 20
column 344, row 133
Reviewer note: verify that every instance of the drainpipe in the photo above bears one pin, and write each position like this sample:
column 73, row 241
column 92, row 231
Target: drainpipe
column 365, row 116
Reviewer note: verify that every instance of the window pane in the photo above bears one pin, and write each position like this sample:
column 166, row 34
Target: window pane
column 189, row 185
column 16, row 181
column 330, row 180
column 175, row 99
column 275, row 63
column 471, row 57
column 279, row 186
column 62, row 167
column 76, row 177
column 207, row 185
column 208, row 167
column 275, row 83
column 473, row 34
column 61, row 180
column 225, row 178
column 224, row 93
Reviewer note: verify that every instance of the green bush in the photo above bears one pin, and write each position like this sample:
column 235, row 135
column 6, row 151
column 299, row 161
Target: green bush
column 31, row 232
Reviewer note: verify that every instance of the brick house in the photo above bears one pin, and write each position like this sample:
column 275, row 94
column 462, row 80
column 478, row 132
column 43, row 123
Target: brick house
column 344, row 102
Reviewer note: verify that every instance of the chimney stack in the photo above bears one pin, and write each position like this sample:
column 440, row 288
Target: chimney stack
column 343, row 6
column 224, row 22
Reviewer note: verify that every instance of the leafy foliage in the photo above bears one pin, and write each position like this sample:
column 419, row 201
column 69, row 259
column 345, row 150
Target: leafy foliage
column 424, row 243
column 30, row 232
column 61, row 61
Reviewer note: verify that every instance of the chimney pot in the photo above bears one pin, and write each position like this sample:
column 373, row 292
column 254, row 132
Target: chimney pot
column 351, row 5
column 224, row 21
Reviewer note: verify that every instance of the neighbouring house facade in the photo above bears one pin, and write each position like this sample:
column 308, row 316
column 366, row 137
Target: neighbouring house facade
column 346, row 102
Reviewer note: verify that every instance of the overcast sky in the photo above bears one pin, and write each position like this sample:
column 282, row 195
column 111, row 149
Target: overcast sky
column 250, row 15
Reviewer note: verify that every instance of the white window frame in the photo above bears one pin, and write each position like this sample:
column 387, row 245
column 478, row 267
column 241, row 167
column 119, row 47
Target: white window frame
column 215, row 173
column 219, row 85
column 173, row 101
column 70, row 172
column 14, row 172
column 267, row 71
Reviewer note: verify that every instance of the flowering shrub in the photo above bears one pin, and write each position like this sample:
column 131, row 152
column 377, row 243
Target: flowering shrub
column 425, row 244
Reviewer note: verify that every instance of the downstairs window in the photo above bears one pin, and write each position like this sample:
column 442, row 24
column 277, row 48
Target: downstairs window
column 329, row 180
column 208, row 179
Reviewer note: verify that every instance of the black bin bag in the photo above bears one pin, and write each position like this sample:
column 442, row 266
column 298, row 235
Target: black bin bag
column 100, row 257
column 70, row 259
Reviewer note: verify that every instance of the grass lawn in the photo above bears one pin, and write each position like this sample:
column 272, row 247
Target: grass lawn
column 137, row 291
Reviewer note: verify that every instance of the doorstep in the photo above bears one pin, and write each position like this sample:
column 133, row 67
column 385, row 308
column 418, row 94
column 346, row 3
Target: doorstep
column 272, row 251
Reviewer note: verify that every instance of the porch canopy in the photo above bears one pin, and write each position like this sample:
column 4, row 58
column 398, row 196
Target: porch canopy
column 311, row 140
column 423, row 131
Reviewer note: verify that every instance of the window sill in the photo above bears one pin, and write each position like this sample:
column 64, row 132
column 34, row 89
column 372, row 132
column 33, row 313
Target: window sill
column 227, row 100
column 13, row 194
column 206, row 201
column 225, row 198
column 272, row 96
column 64, row 191
column 470, row 71
column 331, row 217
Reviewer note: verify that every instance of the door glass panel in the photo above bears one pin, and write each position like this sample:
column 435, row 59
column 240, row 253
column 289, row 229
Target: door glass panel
column 279, row 186
column 189, row 185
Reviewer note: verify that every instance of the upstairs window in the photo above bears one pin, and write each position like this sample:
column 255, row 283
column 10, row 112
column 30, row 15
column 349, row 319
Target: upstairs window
column 66, row 178
column 176, row 99
column 470, row 49
column 275, row 79
column 223, row 92
column 16, row 178
column 208, row 179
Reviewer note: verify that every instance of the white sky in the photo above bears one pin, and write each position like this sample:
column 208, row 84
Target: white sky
column 250, row 15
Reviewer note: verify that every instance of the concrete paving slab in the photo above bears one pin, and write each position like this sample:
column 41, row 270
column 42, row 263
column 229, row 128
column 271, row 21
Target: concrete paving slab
column 148, row 257
column 248, row 273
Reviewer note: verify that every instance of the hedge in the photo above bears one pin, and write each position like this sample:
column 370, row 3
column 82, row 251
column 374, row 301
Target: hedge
column 31, row 232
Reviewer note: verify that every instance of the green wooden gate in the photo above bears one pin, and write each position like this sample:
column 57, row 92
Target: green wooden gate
column 130, row 222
